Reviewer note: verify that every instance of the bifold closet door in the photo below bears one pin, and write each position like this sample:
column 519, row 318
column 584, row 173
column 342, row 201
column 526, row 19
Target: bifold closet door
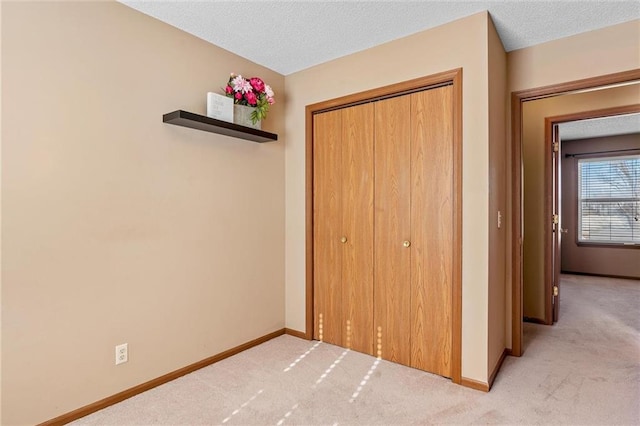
column 327, row 226
column 357, row 225
column 343, row 227
column 388, row 284
column 392, row 250
column 432, row 229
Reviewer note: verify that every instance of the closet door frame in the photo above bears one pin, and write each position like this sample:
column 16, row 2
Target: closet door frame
column 454, row 78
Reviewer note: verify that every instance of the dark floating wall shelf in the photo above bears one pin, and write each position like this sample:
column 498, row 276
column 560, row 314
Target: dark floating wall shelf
column 200, row 122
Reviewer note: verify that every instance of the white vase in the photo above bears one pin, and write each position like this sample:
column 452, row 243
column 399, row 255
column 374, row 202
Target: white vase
column 242, row 116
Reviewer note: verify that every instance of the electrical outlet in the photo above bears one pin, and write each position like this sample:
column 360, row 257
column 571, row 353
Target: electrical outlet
column 122, row 353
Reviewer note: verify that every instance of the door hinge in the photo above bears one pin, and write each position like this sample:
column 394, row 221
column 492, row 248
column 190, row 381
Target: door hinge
column 556, row 146
column 555, row 290
column 556, row 219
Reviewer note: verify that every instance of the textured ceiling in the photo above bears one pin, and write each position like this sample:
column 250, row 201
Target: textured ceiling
column 598, row 127
column 288, row 36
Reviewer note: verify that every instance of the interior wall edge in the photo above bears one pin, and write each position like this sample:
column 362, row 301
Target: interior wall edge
column 497, row 136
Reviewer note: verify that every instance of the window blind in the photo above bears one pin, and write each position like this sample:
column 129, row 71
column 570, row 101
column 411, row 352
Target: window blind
column 609, row 200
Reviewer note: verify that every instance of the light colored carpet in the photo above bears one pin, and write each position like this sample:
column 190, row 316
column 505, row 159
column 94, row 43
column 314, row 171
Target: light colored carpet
column 584, row 370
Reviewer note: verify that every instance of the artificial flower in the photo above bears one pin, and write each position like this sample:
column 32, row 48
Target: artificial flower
column 241, row 85
column 250, row 92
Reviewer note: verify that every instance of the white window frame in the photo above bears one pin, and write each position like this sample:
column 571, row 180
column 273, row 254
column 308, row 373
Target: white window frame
column 579, row 233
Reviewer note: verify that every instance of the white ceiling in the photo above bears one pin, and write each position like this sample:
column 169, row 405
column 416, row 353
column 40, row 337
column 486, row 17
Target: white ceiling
column 598, row 127
column 288, row 36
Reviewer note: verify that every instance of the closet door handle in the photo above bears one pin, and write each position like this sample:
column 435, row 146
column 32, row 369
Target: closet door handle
column 406, row 244
column 343, row 240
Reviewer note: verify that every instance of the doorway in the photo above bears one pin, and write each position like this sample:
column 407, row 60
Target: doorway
column 519, row 102
column 599, row 236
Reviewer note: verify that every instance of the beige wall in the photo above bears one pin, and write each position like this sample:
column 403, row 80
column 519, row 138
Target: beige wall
column 594, row 53
column 534, row 113
column 497, row 61
column 599, row 52
column 119, row 228
column 595, row 259
column 462, row 43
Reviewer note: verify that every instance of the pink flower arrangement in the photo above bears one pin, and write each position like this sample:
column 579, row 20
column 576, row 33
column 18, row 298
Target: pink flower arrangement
column 252, row 92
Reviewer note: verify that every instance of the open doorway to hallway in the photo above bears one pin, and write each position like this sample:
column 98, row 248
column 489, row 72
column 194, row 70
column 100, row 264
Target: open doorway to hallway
column 541, row 215
column 532, row 224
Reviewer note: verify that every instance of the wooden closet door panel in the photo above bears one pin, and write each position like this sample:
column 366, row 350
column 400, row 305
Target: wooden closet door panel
column 392, row 227
column 327, row 226
column 432, row 229
column 357, row 223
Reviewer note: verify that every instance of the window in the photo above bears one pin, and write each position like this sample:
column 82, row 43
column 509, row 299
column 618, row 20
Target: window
column 609, row 200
